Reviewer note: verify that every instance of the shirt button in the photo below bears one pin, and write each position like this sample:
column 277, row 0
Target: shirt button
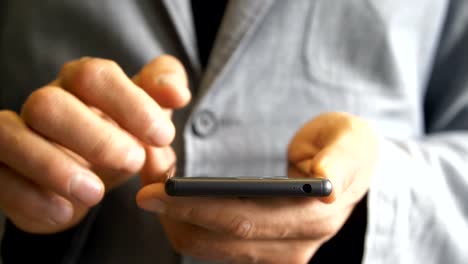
column 204, row 123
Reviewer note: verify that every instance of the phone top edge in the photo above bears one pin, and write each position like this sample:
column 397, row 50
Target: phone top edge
column 197, row 186
column 235, row 179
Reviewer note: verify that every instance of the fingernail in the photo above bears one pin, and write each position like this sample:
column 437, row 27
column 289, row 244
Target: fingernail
column 135, row 159
column 153, row 205
column 60, row 211
column 86, row 189
column 161, row 133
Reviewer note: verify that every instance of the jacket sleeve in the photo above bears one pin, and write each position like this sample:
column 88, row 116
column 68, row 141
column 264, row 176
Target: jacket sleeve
column 418, row 200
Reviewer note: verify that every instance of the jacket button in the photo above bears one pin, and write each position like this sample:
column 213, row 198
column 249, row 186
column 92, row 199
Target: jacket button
column 204, row 123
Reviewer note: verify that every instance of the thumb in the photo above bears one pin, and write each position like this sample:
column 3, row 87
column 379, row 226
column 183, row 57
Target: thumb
column 334, row 163
column 337, row 146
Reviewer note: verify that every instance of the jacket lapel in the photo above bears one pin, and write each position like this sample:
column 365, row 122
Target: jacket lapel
column 180, row 13
column 239, row 22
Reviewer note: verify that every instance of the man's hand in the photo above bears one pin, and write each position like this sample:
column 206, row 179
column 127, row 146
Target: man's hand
column 338, row 146
column 86, row 132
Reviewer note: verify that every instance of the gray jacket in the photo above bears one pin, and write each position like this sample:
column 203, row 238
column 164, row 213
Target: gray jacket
column 402, row 65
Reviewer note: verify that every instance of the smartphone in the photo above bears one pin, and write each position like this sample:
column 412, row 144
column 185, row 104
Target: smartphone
column 246, row 187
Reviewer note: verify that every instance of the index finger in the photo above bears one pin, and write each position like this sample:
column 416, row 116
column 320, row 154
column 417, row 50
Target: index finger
column 165, row 80
column 103, row 84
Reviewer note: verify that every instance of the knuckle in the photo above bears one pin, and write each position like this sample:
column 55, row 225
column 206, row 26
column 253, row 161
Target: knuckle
column 40, row 104
column 186, row 213
column 240, row 227
column 102, row 149
column 284, row 232
column 91, row 71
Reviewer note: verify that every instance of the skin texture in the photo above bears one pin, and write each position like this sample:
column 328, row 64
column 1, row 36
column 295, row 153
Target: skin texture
column 336, row 145
column 84, row 133
column 93, row 127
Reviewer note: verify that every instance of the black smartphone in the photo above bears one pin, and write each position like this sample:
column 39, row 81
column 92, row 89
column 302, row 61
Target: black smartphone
column 246, row 187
